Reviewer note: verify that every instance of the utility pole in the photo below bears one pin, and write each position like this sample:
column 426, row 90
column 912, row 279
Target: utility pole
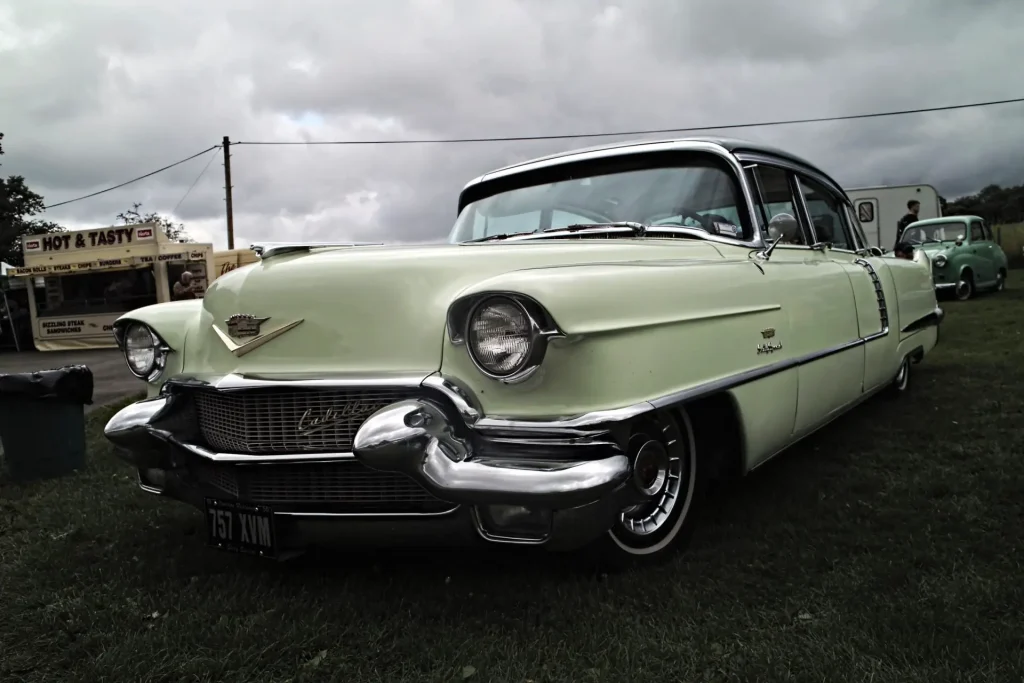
column 227, row 189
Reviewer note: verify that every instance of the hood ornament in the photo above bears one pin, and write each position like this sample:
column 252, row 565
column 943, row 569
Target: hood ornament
column 244, row 325
column 249, row 327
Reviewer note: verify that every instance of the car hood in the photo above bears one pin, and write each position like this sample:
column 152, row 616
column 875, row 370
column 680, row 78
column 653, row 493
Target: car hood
column 935, row 248
column 378, row 310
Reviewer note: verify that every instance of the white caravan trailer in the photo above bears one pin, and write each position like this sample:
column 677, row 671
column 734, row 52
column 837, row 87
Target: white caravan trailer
column 879, row 209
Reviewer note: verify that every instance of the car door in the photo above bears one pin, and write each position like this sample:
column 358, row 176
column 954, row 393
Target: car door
column 992, row 252
column 871, row 283
column 978, row 255
column 821, row 306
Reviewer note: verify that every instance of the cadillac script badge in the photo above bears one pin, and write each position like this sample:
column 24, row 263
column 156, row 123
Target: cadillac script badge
column 242, row 325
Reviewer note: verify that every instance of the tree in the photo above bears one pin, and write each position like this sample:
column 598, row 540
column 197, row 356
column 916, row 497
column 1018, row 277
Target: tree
column 174, row 231
column 17, row 204
column 997, row 205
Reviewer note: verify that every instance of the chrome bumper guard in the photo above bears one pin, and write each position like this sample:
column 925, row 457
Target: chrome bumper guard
column 411, row 437
column 415, row 438
column 535, row 483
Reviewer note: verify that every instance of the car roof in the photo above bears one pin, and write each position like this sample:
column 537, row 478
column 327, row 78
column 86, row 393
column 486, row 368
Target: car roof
column 733, row 145
column 945, row 219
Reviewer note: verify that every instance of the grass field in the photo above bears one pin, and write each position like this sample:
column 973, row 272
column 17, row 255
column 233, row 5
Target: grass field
column 886, row 548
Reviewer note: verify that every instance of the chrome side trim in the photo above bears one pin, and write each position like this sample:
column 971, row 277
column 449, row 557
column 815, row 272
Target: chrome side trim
column 580, row 423
column 934, row 318
column 266, row 250
column 883, row 311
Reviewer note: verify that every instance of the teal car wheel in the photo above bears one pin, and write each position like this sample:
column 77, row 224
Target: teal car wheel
column 965, row 287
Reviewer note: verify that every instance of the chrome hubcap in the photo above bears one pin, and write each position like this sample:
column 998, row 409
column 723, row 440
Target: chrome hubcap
column 660, row 472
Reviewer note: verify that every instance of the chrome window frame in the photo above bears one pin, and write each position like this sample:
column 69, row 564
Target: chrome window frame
column 731, row 159
column 796, row 170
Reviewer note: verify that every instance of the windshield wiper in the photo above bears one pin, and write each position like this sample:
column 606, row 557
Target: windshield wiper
column 638, row 229
column 499, row 236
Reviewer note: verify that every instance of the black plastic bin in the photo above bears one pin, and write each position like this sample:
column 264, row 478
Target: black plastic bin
column 42, row 421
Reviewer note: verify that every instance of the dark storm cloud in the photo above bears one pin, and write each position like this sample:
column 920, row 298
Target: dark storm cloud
column 92, row 96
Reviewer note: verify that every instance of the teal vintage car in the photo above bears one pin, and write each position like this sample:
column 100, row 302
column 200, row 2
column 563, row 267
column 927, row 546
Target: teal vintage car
column 965, row 259
column 604, row 332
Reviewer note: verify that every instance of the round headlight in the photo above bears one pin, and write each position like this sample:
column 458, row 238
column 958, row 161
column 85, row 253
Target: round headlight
column 940, row 260
column 141, row 350
column 500, row 336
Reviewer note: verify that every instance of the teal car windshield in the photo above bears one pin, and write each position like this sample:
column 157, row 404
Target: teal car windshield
column 696, row 196
column 939, row 232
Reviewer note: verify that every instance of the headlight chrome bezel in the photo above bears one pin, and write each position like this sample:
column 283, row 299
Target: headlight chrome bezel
column 541, row 330
column 160, row 349
column 940, row 261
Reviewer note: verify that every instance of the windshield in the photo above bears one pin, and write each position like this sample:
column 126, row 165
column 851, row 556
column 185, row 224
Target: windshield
column 939, row 232
column 701, row 196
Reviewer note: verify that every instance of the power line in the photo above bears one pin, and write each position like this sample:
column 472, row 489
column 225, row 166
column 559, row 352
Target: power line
column 690, row 129
column 524, row 138
column 208, row 162
column 129, row 182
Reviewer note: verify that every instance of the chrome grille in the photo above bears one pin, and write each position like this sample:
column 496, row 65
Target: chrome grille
column 340, row 487
column 272, row 420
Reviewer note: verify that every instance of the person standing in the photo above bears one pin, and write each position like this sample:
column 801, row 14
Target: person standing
column 913, row 208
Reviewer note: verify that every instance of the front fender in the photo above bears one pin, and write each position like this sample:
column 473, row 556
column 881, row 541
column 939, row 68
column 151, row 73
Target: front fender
column 632, row 332
column 172, row 321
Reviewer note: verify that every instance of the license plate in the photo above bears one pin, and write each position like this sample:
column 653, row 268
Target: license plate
column 240, row 527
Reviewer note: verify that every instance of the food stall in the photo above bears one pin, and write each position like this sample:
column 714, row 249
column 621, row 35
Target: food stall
column 225, row 261
column 92, row 277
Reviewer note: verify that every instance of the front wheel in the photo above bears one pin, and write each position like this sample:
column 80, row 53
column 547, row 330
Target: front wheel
column 667, row 468
column 965, row 287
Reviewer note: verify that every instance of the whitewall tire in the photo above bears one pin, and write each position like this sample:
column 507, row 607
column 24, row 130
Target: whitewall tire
column 652, row 531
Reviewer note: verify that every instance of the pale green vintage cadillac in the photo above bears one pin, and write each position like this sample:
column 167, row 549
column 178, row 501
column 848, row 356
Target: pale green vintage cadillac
column 604, row 332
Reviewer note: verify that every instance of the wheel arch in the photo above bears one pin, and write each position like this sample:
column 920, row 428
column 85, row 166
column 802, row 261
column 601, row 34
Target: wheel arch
column 718, row 435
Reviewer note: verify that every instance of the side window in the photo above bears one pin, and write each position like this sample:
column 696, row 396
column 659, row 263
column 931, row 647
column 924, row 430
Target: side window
column 827, row 215
column 988, row 231
column 777, row 205
column 858, row 229
column 977, row 234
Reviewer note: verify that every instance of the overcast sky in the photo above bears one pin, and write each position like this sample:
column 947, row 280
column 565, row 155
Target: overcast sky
column 95, row 93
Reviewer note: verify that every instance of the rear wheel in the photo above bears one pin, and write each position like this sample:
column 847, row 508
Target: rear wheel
column 901, row 382
column 667, row 469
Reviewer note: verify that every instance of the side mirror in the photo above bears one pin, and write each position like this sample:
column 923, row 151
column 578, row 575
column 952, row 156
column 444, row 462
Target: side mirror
column 875, row 251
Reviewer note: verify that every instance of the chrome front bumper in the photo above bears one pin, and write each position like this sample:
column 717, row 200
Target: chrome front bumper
column 497, row 473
